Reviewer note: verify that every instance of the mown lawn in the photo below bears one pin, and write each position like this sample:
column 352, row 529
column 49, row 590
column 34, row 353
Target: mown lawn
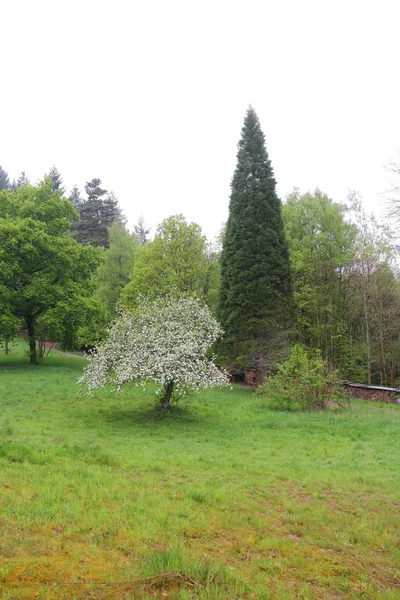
column 101, row 498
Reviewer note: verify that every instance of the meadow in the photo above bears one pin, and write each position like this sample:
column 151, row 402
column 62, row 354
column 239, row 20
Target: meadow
column 224, row 498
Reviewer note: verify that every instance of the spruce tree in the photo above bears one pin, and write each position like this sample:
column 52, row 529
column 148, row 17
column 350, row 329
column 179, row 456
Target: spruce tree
column 56, row 179
column 4, row 181
column 75, row 197
column 22, row 180
column 141, row 231
column 97, row 214
column 256, row 286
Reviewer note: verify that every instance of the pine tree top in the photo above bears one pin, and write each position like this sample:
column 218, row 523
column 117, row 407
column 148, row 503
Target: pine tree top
column 4, row 180
column 253, row 163
column 56, row 179
column 255, row 291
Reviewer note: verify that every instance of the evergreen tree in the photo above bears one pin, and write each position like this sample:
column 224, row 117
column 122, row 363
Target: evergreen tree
column 97, row 214
column 22, row 180
column 4, row 181
column 141, row 231
column 94, row 191
column 256, row 286
column 75, row 197
column 56, row 179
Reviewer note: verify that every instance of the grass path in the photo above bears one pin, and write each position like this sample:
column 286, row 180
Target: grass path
column 102, row 498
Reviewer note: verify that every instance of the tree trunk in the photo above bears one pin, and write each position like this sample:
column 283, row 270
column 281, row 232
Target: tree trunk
column 6, row 346
column 260, row 362
column 165, row 400
column 30, row 323
column 382, row 345
column 367, row 340
column 382, row 360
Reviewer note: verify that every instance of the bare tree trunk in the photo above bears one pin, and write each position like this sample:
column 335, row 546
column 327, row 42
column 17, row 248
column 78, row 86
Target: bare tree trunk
column 382, row 345
column 332, row 325
column 367, row 339
column 6, row 350
column 382, row 361
column 166, row 399
column 392, row 370
column 30, row 323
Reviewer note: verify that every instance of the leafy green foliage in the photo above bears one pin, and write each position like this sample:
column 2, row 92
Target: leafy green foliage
column 77, row 324
column 175, row 262
column 114, row 272
column 321, row 250
column 212, row 279
column 8, row 325
column 256, row 286
column 373, row 297
column 303, row 382
column 41, row 266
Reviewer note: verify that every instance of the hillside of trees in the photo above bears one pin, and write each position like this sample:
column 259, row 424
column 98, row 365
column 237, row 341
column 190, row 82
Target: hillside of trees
column 308, row 271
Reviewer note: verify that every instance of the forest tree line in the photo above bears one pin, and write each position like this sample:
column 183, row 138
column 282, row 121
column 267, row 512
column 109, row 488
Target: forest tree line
column 68, row 264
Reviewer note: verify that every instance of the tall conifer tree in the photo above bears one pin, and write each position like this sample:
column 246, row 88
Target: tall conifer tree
column 56, row 179
column 4, row 180
column 22, row 180
column 256, row 286
column 75, row 197
column 97, row 214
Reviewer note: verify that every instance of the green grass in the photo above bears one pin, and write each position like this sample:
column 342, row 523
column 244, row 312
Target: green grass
column 100, row 498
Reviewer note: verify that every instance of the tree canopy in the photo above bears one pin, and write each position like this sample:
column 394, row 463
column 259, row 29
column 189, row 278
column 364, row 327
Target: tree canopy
column 40, row 264
column 164, row 341
column 114, row 273
column 320, row 241
column 174, row 262
column 97, row 213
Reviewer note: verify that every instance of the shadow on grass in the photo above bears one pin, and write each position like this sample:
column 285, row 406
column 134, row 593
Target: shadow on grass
column 14, row 363
column 141, row 414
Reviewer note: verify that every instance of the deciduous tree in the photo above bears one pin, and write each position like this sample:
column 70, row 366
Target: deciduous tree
column 321, row 244
column 369, row 288
column 114, row 273
column 175, row 262
column 164, row 341
column 8, row 325
column 40, row 264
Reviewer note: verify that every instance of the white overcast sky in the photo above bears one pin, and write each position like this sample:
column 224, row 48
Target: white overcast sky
column 150, row 96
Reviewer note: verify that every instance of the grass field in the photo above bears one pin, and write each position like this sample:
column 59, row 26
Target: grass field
column 225, row 498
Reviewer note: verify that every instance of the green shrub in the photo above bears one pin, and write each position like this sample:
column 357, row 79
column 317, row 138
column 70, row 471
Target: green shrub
column 303, row 382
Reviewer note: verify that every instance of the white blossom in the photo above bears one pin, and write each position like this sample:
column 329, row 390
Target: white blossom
column 165, row 342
